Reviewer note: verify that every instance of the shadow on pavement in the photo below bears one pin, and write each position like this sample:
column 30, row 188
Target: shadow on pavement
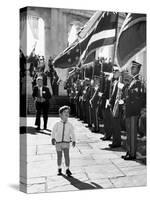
column 32, row 130
column 14, row 186
column 81, row 185
column 142, row 161
column 120, row 149
column 28, row 129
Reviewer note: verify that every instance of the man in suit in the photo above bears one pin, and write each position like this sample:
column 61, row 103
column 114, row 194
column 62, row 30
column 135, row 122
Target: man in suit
column 133, row 106
column 114, row 129
column 41, row 95
column 106, row 109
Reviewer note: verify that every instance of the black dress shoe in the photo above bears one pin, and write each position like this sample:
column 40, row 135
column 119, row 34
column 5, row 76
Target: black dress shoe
column 68, row 172
column 105, row 138
column 59, row 172
column 89, row 126
column 114, row 146
column 94, row 130
column 130, row 157
column 127, row 154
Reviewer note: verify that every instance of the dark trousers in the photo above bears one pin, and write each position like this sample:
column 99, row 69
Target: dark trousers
column 72, row 104
column 131, row 126
column 41, row 108
column 116, row 130
column 84, row 112
column 81, row 109
column 95, row 120
column 88, row 113
column 107, row 122
column 112, row 126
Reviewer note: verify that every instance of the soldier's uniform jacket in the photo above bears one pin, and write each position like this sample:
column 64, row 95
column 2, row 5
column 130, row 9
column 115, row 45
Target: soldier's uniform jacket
column 72, row 92
column 85, row 90
column 105, row 95
column 95, row 98
column 92, row 90
column 87, row 94
column 78, row 90
column 133, row 97
column 113, row 94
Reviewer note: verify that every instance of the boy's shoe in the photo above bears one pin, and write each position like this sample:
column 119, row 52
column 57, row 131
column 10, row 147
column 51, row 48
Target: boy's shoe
column 59, row 172
column 68, row 172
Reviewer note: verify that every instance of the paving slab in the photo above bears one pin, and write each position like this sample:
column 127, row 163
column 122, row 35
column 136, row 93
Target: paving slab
column 103, row 171
column 134, row 170
column 130, row 181
column 93, row 164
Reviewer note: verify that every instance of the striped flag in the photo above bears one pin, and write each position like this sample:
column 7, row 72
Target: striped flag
column 70, row 57
column 132, row 37
column 103, row 35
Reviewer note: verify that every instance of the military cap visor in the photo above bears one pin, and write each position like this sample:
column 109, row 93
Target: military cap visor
column 136, row 64
column 39, row 78
column 116, row 68
column 61, row 109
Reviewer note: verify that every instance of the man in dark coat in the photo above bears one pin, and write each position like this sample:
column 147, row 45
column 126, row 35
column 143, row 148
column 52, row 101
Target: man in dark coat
column 133, row 106
column 114, row 128
column 41, row 95
column 106, row 110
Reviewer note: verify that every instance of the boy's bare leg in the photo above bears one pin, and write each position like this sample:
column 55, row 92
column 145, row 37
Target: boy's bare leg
column 67, row 158
column 67, row 161
column 59, row 159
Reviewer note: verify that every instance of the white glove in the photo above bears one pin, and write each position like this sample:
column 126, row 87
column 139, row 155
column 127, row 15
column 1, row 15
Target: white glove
column 100, row 94
column 121, row 102
column 107, row 103
column 120, row 85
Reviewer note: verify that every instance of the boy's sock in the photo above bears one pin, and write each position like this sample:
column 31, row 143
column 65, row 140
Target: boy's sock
column 59, row 171
column 68, row 172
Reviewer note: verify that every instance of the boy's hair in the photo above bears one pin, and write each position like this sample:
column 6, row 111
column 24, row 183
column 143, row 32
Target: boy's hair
column 61, row 109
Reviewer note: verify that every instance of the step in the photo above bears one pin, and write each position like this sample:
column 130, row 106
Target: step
column 55, row 103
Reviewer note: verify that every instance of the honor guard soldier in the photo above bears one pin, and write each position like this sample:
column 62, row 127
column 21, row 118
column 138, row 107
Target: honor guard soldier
column 81, row 88
column 69, row 86
column 105, row 98
column 87, row 97
column 98, row 76
column 114, row 128
column 77, row 94
column 133, row 106
column 86, row 85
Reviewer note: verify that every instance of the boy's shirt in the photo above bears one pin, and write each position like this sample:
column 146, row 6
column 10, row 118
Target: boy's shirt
column 63, row 133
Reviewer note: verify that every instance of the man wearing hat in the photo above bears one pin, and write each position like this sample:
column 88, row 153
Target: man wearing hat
column 114, row 128
column 133, row 106
column 41, row 95
column 88, row 94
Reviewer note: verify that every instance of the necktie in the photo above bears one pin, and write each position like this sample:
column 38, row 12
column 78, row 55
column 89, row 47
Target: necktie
column 63, row 131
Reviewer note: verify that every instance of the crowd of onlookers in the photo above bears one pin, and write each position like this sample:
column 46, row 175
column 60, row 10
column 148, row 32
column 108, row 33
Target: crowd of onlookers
column 37, row 67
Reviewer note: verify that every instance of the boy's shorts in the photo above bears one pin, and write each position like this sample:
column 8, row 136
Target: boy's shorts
column 62, row 145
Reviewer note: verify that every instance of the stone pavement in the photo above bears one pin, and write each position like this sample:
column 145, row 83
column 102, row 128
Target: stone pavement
column 93, row 164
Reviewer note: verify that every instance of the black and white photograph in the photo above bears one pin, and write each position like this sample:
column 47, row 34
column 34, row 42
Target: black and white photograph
column 83, row 91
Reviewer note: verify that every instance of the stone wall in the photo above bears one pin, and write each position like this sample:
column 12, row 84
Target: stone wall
column 57, row 24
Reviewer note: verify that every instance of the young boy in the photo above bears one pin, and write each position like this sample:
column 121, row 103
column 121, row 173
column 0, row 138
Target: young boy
column 62, row 134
